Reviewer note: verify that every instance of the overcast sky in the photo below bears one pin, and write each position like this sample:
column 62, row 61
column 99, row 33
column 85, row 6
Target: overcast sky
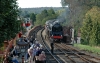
column 39, row 3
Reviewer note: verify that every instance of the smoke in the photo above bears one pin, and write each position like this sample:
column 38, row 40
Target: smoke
column 63, row 15
column 73, row 13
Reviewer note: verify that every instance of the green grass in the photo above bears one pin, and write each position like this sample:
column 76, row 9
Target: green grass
column 88, row 48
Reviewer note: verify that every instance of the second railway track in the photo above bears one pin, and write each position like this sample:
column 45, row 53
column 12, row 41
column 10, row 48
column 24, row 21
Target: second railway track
column 76, row 56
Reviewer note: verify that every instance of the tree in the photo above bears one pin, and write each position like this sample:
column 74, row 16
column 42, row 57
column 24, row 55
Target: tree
column 44, row 13
column 9, row 25
column 44, row 16
column 39, row 17
column 33, row 17
column 91, row 26
column 50, row 12
column 86, row 28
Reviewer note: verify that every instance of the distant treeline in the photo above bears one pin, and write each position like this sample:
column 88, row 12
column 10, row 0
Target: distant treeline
column 37, row 10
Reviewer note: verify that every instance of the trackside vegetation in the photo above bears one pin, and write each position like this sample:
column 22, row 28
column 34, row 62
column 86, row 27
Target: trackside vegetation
column 88, row 48
column 90, row 31
column 85, row 16
column 45, row 15
column 9, row 25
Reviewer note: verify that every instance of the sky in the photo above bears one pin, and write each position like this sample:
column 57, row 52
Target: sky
column 38, row 3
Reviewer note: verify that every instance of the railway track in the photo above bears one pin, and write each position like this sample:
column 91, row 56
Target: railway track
column 49, row 56
column 37, row 33
column 34, row 31
column 76, row 56
column 64, row 53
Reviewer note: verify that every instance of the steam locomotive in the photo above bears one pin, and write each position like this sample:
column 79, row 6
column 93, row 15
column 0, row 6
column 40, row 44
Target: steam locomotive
column 54, row 30
column 58, row 33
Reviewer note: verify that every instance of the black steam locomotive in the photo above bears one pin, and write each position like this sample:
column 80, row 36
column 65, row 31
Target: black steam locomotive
column 54, row 30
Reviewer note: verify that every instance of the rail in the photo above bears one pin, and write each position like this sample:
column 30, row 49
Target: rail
column 48, row 48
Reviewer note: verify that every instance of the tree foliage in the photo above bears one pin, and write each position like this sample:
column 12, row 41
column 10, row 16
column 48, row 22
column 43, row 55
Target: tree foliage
column 80, row 2
column 50, row 12
column 9, row 25
column 90, row 30
column 33, row 17
column 44, row 16
column 78, row 9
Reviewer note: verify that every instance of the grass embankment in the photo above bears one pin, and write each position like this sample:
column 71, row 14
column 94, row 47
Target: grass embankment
column 88, row 48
